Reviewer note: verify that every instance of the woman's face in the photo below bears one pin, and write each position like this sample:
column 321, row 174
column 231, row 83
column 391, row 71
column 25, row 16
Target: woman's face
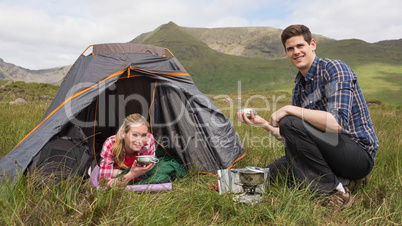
column 135, row 138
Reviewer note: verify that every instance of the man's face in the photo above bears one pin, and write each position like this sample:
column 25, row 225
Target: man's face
column 300, row 53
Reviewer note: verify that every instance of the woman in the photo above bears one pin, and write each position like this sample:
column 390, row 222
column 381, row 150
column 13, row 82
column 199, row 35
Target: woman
column 119, row 151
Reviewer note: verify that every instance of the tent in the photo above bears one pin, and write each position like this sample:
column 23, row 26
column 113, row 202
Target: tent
column 119, row 79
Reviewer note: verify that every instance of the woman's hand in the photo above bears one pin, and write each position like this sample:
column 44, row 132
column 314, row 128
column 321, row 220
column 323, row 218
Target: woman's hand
column 135, row 171
column 138, row 170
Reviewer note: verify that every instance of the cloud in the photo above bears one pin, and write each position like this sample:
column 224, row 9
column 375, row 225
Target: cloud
column 345, row 19
column 39, row 34
column 34, row 39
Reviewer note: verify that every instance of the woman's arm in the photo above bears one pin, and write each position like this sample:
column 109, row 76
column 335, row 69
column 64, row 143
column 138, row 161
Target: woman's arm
column 106, row 169
column 116, row 172
column 134, row 172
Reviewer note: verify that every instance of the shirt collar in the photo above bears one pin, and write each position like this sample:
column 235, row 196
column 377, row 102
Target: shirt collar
column 298, row 78
column 310, row 74
column 313, row 68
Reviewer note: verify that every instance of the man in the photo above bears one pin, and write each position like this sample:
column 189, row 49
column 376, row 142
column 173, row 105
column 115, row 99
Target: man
column 327, row 131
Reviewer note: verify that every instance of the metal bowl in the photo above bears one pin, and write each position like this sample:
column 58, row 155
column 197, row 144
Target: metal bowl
column 251, row 177
column 146, row 159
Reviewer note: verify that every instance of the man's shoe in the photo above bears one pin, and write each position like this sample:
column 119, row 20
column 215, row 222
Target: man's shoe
column 354, row 185
column 338, row 199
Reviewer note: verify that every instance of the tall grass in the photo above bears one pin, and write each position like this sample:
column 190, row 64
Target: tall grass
column 191, row 201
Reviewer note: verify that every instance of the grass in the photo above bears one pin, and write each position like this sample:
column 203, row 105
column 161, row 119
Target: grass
column 381, row 82
column 191, row 202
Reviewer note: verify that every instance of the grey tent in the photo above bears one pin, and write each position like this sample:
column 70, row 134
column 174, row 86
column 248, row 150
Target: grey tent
column 116, row 80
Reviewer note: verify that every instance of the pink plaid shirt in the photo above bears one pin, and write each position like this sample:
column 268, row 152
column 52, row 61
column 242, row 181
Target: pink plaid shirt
column 108, row 162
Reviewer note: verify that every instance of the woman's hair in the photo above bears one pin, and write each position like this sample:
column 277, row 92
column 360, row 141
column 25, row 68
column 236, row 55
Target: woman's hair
column 118, row 145
column 296, row 30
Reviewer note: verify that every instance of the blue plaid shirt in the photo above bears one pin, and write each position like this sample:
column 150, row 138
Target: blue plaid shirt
column 330, row 85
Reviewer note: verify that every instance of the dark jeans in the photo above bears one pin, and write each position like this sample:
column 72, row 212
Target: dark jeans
column 319, row 158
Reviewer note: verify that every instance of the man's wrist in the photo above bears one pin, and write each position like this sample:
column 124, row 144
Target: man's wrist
column 266, row 126
column 289, row 110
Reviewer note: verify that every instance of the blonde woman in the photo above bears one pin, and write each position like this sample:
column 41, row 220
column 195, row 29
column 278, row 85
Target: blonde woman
column 119, row 151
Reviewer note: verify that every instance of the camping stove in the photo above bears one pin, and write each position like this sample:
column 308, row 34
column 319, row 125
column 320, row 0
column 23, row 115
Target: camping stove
column 250, row 179
column 250, row 182
column 249, row 189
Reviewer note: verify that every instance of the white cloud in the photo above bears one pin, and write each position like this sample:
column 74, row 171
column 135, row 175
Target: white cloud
column 39, row 34
column 345, row 19
column 33, row 39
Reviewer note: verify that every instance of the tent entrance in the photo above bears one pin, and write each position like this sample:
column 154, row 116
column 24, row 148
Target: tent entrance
column 106, row 113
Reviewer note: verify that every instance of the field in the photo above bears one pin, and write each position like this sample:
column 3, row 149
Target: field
column 191, row 202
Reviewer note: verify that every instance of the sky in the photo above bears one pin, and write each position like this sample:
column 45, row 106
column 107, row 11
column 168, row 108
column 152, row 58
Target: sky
column 40, row 34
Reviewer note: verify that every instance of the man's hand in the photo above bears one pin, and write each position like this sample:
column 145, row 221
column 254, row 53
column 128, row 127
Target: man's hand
column 274, row 131
column 278, row 115
column 258, row 121
column 252, row 120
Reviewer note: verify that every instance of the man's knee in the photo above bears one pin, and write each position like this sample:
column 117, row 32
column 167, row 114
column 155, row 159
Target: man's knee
column 290, row 121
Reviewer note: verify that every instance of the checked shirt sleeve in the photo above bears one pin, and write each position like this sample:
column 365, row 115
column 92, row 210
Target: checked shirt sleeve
column 341, row 90
column 107, row 160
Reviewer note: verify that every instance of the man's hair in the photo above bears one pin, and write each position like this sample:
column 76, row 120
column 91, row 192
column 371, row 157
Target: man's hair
column 296, row 30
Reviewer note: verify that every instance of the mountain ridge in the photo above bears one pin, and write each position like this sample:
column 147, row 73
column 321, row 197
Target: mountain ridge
column 258, row 62
column 9, row 71
column 252, row 42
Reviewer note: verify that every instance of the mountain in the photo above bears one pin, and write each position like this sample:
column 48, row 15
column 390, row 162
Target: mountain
column 253, row 42
column 393, row 43
column 229, row 60
column 257, row 60
column 10, row 71
column 215, row 72
column 265, row 43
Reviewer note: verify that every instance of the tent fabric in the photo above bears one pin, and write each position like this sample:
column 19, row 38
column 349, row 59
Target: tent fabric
column 102, row 88
column 114, row 48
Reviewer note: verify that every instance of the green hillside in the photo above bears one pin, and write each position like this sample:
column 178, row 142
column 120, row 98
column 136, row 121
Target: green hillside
column 218, row 73
column 378, row 67
column 253, row 42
